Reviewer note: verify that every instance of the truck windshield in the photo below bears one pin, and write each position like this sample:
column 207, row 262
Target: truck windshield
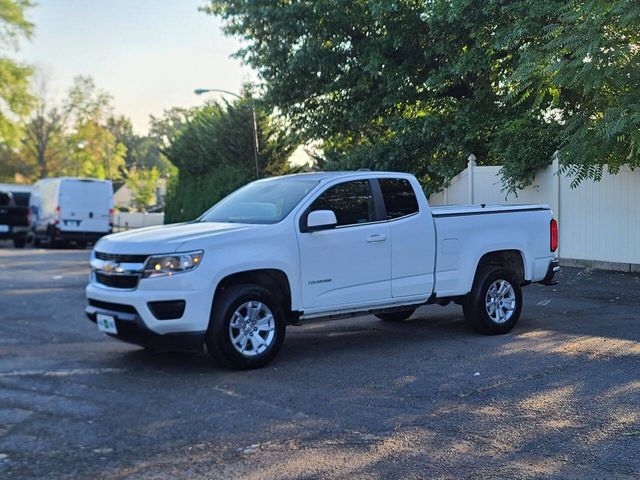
column 263, row 201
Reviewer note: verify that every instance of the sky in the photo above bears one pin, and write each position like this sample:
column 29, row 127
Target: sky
column 148, row 54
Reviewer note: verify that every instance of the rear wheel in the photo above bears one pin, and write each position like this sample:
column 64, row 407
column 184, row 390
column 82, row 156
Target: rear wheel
column 494, row 305
column 247, row 327
column 399, row 316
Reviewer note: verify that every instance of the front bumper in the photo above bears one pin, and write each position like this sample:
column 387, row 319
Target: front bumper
column 132, row 329
column 137, row 321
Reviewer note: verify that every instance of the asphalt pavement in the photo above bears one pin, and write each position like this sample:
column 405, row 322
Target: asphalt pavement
column 559, row 397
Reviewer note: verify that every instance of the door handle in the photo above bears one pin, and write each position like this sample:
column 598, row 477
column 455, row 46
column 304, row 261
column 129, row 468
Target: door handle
column 376, row 238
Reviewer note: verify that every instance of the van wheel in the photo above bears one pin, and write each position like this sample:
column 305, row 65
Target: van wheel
column 19, row 242
column 400, row 316
column 247, row 327
column 493, row 306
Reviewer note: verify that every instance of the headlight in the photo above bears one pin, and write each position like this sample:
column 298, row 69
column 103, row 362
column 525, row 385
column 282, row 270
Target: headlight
column 159, row 265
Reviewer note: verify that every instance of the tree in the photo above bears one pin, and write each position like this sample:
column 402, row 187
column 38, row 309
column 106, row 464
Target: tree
column 44, row 143
column 141, row 151
column 167, row 128
column 417, row 86
column 143, row 183
column 212, row 147
column 584, row 67
column 71, row 137
column 95, row 150
column 9, row 164
column 15, row 100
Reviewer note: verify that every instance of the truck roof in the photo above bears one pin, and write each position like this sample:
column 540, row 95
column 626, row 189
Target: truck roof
column 74, row 179
column 345, row 174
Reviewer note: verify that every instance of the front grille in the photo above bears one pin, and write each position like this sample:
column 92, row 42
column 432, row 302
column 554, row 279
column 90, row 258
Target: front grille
column 117, row 281
column 121, row 258
column 114, row 307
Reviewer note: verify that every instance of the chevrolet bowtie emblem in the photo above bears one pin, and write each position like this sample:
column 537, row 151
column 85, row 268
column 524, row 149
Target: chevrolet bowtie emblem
column 109, row 267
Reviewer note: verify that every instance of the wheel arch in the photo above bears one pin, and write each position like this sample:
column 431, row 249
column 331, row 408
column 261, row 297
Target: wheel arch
column 510, row 259
column 273, row 279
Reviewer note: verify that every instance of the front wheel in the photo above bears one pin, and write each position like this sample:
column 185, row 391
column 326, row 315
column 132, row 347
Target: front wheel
column 247, row 327
column 494, row 305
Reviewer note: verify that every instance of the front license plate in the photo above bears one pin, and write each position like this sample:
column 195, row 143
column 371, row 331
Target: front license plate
column 106, row 323
column 4, row 228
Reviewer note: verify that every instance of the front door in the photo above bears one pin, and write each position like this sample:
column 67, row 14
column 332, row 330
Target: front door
column 349, row 265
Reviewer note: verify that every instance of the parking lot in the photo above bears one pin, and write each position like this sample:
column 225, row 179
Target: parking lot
column 360, row 398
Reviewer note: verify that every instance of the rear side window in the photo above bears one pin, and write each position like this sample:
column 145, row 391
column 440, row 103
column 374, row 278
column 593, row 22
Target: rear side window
column 352, row 202
column 5, row 199
column 21, row 198
column 399, row 197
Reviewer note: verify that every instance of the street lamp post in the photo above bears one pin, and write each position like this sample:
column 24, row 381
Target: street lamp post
column 200, row 91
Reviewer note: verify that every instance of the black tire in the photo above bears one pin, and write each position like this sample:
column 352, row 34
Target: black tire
column 218, row 339
column 400, row 316
column 20, row 242
column 37, row 241
column 477, row 312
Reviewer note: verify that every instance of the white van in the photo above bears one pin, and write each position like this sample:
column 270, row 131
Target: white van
column 71, row 209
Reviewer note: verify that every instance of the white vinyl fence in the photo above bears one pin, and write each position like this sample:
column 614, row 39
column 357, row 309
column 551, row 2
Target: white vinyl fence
column 599, row 221
column 127, row 220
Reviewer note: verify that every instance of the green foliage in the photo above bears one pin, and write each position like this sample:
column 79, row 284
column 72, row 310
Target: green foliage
column 13, row 23
column 15, row 100
column 79, row 136
column 71, row 137
column 188, row 196
column 142, row 152
column 213, row 149
column 143, row 183
column 417, row 86
column 590, row 55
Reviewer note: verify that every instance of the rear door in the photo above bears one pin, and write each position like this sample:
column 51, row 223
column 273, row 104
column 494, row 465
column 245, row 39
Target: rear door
column 413, row 247
column 85, row 205
column 99, row 201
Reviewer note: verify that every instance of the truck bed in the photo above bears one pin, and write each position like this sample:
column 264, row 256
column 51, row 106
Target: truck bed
column 466, row 233
column 462, row 210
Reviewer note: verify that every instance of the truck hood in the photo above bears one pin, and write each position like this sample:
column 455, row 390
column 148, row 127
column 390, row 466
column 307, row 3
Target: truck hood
column 165, row 238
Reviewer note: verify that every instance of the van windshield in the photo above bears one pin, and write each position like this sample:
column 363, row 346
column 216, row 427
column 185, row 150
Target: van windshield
column 263, row 201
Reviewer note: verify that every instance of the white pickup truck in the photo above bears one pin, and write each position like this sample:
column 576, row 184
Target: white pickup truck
column 287, row 249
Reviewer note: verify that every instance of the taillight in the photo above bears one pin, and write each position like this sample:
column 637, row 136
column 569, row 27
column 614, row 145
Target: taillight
column 56, row 220
column 111, row 213
column 554, row 235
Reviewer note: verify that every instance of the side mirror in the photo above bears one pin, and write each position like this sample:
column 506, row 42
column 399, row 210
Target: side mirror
column 321, row 220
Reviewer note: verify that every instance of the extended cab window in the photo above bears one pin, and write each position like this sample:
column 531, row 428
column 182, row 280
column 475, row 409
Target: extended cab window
column 399, row 197
column 352, row 202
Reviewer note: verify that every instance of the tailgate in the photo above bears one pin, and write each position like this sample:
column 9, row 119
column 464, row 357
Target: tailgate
column 14, row 216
